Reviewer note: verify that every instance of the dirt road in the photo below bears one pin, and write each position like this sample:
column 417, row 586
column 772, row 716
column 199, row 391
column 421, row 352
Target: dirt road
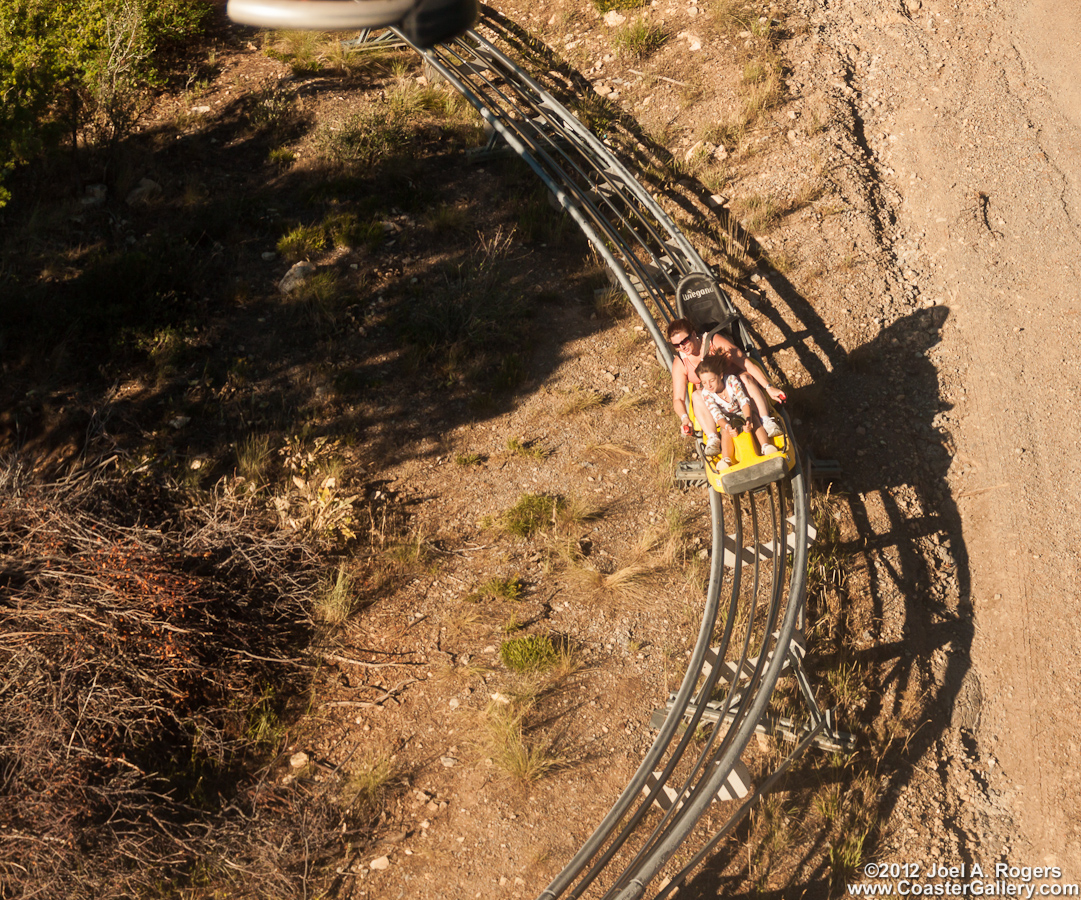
column 969, row 117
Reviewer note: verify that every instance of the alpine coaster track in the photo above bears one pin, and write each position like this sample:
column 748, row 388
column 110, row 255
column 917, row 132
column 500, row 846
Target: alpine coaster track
column 752, row 623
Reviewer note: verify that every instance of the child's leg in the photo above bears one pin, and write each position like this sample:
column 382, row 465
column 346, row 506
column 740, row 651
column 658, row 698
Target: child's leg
column 760, row 399
column 756, row 393
column 765, row 445
column 728, row 443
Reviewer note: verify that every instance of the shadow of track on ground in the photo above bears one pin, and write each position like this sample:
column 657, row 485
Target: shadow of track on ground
column 875, row 415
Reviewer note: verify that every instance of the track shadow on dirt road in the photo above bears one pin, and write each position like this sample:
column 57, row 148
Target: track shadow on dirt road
column 901, row 620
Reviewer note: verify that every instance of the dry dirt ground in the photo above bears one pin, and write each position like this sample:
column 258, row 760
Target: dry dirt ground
column 943, row 262
column 915, row 193
column 951, row 134
column 965, row 121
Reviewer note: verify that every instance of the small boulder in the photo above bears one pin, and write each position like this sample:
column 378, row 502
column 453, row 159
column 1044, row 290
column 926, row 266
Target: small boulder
column 94, row 195
column 694, row 42
column 689, row 155
column 145, row 191
column 380, row 864
column 296, row 276
column 613, row 18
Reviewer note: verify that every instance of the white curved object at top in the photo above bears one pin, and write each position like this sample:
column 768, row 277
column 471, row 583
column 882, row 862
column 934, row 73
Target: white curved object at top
column 328, row 15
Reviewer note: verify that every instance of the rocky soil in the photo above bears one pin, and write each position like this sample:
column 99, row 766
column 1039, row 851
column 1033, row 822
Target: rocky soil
column 924, row 307
column 911, row 192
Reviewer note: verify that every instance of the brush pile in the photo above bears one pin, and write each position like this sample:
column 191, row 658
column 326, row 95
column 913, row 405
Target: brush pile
column 151, row 646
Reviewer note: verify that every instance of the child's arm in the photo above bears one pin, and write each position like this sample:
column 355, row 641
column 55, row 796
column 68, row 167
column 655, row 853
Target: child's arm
column 748, row 422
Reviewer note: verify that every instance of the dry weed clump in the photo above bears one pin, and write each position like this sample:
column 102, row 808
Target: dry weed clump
column 149, row 650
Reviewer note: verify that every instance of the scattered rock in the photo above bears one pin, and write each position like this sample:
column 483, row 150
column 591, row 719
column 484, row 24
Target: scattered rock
column 296, row 276
column 448, row 761
column 694, row 42
column 200, row 110
column 613, row 18
column 269, row 256
column 380, row 864
column 145, row 191
column 298, row 760
column 94, row 195
column 179, row 422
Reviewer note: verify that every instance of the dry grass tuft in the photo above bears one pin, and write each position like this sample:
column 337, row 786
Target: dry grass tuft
column 525, row 757
column 668, row 449
column 336, row 600
column 637, row 583
column 669, row 537
column 581, row 400
column 629, row 401
column 612, row 453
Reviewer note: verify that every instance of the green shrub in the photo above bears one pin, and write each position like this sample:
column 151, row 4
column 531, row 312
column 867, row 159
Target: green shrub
column 346, row 230
column 272, row 108
column 302, row 242
column 528, row 449
column 366, row 138
column 63, row 65
column 529, row 653
column 603, row 6
column 641, row 38
column 281, row 156
column 532, row 513
column 497, row 588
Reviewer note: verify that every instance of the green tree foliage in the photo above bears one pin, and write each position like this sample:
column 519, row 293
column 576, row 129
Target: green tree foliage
column 67, row 63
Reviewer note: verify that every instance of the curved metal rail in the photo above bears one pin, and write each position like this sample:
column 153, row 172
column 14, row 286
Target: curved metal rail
column 756, row 590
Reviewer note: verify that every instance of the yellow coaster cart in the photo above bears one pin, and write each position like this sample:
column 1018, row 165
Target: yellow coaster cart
column 701, row 300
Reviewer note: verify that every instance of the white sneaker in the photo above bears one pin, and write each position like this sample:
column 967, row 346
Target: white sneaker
column 713, row 446
column 771, row 426
column 767, row 449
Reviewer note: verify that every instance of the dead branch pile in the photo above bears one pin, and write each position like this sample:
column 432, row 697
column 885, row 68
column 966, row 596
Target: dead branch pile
column 149, row 649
